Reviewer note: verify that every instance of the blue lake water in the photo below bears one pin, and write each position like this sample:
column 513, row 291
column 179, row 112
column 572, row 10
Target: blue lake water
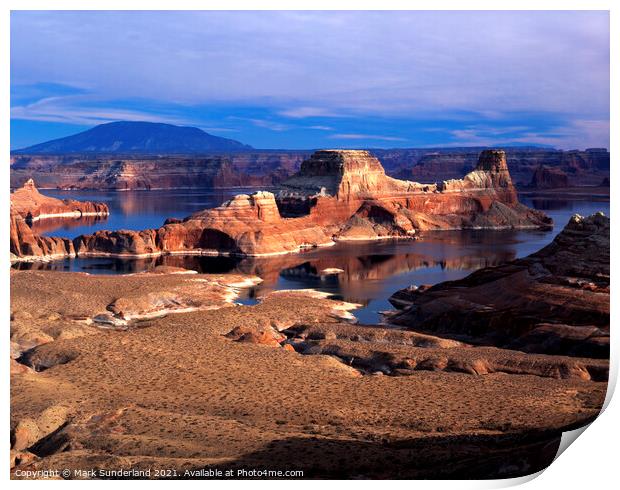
column 133, row 210
column 371, row 272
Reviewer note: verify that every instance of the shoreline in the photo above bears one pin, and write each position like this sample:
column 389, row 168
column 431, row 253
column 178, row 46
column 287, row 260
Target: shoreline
column 68, row 214
column 418, row 236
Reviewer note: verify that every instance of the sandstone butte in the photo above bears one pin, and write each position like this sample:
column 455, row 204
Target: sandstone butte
column 31, row 205
column 28, row 205
column 555, row 301
column 336, row 195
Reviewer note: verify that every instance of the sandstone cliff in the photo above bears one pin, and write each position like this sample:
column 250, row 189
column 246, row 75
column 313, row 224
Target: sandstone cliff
column 337, row 195
column 581, row 167
column 130, row 172
column 28, row 202
column 548, row 178
column 268, row 167
column 555, row 301
column 26, row 245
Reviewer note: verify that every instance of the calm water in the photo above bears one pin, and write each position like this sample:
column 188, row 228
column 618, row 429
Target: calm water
column 133, row 210
column 371, row 271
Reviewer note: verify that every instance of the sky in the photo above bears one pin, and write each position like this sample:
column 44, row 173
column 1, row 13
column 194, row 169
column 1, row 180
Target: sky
column 311, row 79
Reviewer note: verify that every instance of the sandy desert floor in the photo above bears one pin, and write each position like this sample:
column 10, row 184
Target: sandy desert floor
column 99, row 380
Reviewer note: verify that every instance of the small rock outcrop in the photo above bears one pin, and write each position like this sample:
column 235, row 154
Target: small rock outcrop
column 555, row 301
column 28, row 202
column 337, row 195
column 27, row 245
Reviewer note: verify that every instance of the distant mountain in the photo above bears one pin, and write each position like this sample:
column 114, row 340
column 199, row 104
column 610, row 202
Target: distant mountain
column 137, row 137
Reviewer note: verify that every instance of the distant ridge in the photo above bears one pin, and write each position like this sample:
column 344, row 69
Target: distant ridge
column 137, row 137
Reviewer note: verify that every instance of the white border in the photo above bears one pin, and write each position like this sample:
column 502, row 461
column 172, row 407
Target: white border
column 590, row 463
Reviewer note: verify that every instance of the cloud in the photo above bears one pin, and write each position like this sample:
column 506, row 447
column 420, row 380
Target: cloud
column 264, row 123
column 577, row 134
column 80, row 111
column 359, row 136
column 331, row 63
column 321, row 128
column 370, row 67
column 304, row 112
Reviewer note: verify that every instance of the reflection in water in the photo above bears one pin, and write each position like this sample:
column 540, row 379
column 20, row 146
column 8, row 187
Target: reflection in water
column 545, row 204
column 372, row 271
column 137, row 210
column 63, row 226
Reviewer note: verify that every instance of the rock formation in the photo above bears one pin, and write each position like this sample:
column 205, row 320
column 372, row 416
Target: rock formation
column 337, row 195
column 28, row 206
column 26, row 245
column 555, row 301
column 130, row 172
column 548, row 178
column 583, row 168
column 270, row 167
column 29, row 203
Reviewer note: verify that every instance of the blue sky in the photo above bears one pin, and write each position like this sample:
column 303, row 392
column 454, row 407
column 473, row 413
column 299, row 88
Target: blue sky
column 317, row 79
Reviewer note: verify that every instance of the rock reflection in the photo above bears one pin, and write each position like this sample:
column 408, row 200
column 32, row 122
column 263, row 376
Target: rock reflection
column 64, row 224
column 363, row 270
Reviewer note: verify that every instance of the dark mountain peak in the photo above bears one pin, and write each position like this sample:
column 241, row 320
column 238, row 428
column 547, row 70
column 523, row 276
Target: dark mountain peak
column 137, row 137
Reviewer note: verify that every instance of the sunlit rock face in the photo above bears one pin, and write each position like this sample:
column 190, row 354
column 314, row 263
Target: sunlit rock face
column 336, row 195
column 33, row 206
column 29, row 206
column 132, row 172
column 26, row 245
column 583, row 168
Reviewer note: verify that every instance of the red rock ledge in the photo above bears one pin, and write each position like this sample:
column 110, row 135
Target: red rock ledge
column 31, row 205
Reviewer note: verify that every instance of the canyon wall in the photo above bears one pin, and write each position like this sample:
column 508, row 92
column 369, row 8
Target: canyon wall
column 24, row 244
column 587, row 167
column 156, row 172
column 29, row 206
column 270, row 167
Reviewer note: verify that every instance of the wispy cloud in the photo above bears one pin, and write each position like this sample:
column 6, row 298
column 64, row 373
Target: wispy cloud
column 576, row 134
column 360, row 136
column 305, row 112
column 263, row 123
column 321, row 128
column 359, row 72
column 76, row 110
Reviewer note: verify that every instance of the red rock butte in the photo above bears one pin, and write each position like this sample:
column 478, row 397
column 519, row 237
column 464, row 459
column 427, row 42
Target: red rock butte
column 337, row 195
column 29, row 203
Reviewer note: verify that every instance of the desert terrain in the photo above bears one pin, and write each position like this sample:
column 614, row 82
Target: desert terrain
column 166, row 370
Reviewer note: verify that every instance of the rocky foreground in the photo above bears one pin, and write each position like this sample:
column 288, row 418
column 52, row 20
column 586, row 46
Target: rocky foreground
column 337, row 195
column 164, row 370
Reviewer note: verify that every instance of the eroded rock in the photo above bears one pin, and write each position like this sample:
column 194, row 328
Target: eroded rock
column 336, row 195
column 554, row 301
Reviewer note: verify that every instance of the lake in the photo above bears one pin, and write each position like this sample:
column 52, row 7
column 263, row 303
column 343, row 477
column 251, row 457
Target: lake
column 371, row 271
